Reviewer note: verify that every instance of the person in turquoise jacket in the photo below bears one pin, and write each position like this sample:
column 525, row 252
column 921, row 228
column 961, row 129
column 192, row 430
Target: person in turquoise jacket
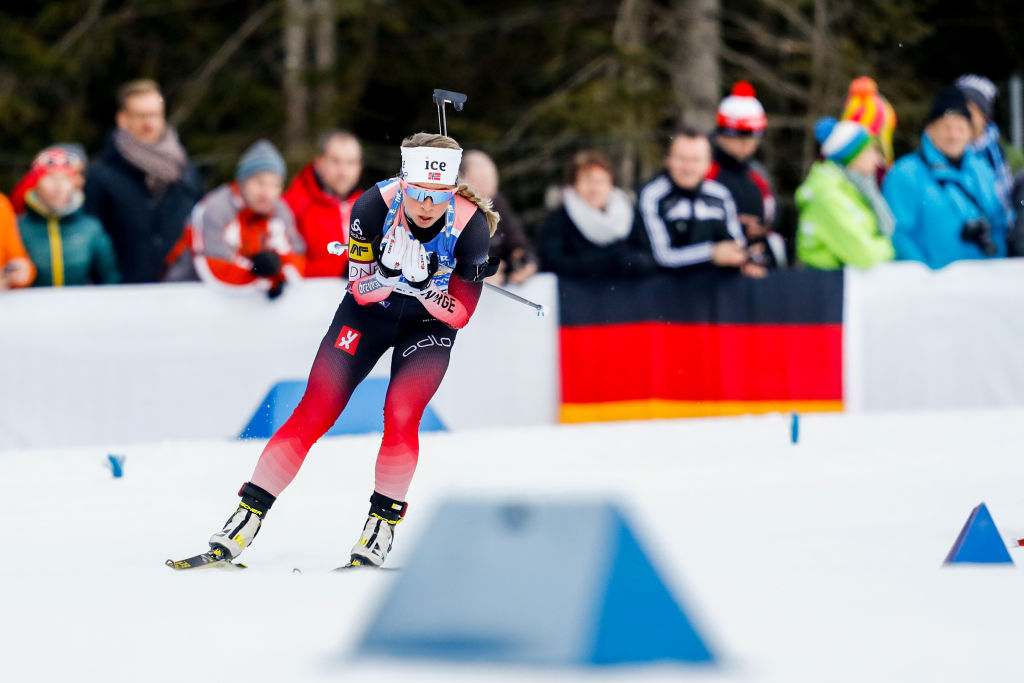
column 843, row 217
column 67, row 246
column 943, row 195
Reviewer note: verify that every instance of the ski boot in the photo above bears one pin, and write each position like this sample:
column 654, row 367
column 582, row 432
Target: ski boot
column 242, row 527
column 373, row 546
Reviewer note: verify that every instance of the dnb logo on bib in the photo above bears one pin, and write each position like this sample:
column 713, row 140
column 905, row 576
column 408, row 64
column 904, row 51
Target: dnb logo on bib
column 348, row 340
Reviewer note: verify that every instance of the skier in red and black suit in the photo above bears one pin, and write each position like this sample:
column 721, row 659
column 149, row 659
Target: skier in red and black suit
column 417, row 258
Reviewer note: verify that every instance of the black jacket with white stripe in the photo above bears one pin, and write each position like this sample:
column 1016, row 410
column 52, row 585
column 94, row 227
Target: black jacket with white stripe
column 683, row 225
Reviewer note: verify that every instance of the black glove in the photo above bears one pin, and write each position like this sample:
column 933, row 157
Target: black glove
column 276, row 290
column 266, row 264
column 432, row 265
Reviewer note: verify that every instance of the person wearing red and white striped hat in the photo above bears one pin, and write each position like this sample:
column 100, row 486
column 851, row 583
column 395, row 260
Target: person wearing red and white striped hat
column 740, row 124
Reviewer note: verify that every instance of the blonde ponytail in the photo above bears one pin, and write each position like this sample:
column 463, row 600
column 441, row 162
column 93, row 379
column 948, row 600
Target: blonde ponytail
column 485, row 206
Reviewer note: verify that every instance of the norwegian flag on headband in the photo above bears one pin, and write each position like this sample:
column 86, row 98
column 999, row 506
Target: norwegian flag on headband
column 434, row 176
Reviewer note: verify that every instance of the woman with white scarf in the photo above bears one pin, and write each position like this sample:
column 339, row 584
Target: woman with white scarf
column 593, row 234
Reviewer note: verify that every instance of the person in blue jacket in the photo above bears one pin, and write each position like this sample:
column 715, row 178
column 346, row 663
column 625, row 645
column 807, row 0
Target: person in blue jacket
column 943, row 195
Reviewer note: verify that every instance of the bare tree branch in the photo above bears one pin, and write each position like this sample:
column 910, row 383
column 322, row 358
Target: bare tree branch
column 531, row 114
column 792, row 15
column 80, row 28
column 197, row 85
column 765, row 75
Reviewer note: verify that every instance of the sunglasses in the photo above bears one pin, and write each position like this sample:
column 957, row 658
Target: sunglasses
column 421, row 194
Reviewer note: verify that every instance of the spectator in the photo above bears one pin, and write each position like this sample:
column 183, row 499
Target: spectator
column 689, row 219
column 67, row 246
column 1002, row 159
column 943, row 195
column 16, row 269
column 1015, row 240
column 741, row 123
column 866, row 106
column 843, row 217
column 143, row 186
column 593, row 234
column 28, row 182
column 509, row 243
column 242, row 235
column 321, row 197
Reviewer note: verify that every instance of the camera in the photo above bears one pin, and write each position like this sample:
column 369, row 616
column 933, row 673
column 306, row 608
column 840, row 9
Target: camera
column 978, row 231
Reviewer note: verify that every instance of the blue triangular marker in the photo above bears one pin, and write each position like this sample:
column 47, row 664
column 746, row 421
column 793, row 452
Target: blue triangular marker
column 551, row 584
column 364, row 412
column 979, row 541
column 635, row 594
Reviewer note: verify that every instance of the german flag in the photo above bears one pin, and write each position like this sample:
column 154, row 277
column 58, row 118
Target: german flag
column 701, row 342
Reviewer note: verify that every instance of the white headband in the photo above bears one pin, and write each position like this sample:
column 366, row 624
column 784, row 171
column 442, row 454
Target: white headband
column 431, row 165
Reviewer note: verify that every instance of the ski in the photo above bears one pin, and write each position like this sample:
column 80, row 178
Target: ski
column 346, row 567
column 212, row 558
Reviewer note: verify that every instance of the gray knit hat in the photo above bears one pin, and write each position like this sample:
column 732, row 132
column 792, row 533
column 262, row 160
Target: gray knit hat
column 261, row 156
column 979, row 90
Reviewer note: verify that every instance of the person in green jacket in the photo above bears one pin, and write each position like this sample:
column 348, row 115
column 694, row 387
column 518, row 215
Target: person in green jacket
column 844, row 219
column 67, row 246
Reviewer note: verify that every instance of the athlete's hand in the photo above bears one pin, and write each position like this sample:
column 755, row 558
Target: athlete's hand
column 417, row 267
column 392, row 250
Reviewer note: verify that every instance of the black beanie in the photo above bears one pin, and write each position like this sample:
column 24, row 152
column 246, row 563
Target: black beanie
column 950, row 100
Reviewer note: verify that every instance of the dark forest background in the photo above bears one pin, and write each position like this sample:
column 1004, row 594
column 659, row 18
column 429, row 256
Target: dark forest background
column 544, row 79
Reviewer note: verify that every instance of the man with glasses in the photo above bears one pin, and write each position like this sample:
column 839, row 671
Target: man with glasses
column 143, row 186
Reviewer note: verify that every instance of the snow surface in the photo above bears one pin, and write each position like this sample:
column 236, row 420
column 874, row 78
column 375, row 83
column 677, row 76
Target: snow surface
column 814, row 562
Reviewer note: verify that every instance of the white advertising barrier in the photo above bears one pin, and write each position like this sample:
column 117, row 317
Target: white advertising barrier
column 920, row 339
column 98, row 365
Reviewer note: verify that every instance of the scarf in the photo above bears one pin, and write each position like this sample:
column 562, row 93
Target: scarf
column 987, row 147
column 600, row 227
column 163, row 163
column 868, row 187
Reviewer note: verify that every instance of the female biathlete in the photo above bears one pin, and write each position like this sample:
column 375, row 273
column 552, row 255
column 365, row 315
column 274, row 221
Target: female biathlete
column 417, row 258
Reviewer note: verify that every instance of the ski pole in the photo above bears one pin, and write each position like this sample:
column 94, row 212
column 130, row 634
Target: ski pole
column 515, row 297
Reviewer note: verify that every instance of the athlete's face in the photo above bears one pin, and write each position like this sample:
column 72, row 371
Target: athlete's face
column 688, row 161
column 425, row 213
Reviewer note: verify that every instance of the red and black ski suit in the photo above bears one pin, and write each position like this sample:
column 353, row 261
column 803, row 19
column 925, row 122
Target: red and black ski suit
column 419, row 326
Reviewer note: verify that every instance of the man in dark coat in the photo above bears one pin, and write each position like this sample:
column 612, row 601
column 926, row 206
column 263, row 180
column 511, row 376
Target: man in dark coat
column 143, row 187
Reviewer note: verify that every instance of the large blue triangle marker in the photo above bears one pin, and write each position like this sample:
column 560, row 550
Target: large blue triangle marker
column 532, row 584
column 364, row 412
column 979, row 541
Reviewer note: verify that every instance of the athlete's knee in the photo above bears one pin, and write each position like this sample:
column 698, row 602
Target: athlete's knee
column 402, row 417
column 314, row 416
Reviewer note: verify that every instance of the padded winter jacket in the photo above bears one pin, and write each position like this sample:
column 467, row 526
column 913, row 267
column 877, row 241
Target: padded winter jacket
column 142, row 226
column 932, row 200
column 68, row 249
column 11, row 246
column 837, row 225
column 224, row 234
column 321, row 218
